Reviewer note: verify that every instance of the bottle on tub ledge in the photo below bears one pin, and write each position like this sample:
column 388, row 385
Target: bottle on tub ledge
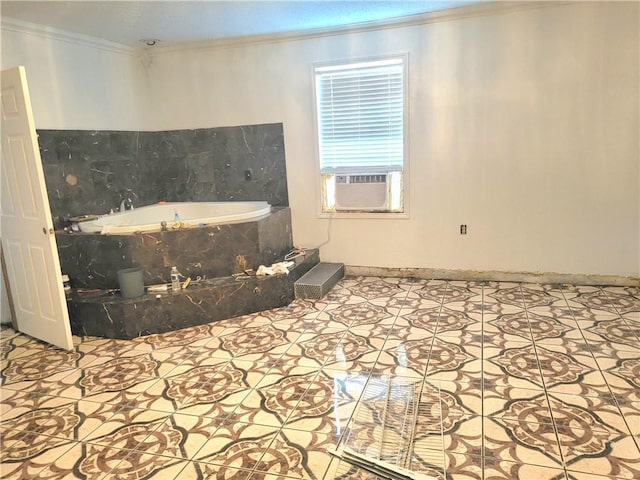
column 175, row 280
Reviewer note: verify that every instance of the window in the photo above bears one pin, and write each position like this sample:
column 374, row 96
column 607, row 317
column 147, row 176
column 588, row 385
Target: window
column 360, row 111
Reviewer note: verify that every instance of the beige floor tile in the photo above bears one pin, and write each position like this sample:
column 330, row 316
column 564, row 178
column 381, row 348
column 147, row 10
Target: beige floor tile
column 16, row 403
column 509, row 381
column 621, row 460
column 220, row 410
column 519, row 442
column 504, row 470
column 125, row 428
column 237, row 445
column 300, row 454
column 587, row 412
column 24, row 464
column 180, row 436
column 207, row 471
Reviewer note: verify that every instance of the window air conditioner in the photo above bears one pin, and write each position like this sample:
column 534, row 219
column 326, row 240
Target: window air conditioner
column 362, row 192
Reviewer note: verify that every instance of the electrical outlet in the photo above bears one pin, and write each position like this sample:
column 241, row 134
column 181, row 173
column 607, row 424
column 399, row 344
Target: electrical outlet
column 463, row 229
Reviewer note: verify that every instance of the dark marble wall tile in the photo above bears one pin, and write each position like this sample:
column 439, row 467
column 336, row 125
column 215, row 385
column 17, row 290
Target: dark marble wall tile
column 91, row 172
column 252, row 167
column 216, row 251
column 275, row 237
column 87, row 171
column 95, row 263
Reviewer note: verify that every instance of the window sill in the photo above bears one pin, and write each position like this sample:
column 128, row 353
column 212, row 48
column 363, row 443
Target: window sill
column 366, row 215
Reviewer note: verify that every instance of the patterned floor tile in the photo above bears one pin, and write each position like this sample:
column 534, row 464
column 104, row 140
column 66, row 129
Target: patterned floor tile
column 386, row 363
column 135, row 466
column 505, row 294
column 95, row 462
column 452, row 362
column 411, row 353
column 633, row 320
column 207, row 471
column 113, row 390
column 521, row 442
column 584, row 306
column 587, row 413
column 333, row 422
column 379, row 288
column 237, row 445
column 361, row 315
column 495, row 469
column 465, row 399
column 179, row 436
column 103, row 349
column 301, row 454
column 59, row 459
column 324, row 322
column 228, row 407
column 298, row 396
column 16, row 403
column 32, row 440
column 466, row 438
column 588, row 476
column 124, row 464
column 375, row 335
column 170, row 342
column 268, row 408
column 126, row 428
column 631, row 413
column 37, row 365
column 321, row 414
column 510, row 327
column 508, row 381
column 611, row 456
column 13, row 345
column 614, row 331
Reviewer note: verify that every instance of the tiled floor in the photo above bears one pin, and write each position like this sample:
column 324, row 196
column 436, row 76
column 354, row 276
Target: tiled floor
column 510, row 381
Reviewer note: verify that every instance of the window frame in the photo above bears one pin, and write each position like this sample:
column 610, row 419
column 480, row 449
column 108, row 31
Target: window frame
column 321, row 175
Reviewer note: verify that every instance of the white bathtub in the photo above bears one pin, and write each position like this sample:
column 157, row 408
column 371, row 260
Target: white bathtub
column 176, row 215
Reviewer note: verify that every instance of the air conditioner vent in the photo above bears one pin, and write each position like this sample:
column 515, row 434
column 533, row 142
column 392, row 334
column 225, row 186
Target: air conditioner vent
column 361, row 192
column 379, row 178
column 368, row 179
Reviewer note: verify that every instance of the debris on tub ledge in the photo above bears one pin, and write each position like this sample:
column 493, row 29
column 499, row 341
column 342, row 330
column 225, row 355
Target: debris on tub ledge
column 160, row 287
column 275, row 269
column 109, row 315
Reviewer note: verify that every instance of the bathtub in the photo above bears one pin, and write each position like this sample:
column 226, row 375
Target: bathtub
column 176, row 215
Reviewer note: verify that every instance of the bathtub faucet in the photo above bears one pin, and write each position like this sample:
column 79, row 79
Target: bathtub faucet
column 126, row 204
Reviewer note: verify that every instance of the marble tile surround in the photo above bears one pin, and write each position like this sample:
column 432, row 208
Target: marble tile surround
column 93, row 260
column 91, row 172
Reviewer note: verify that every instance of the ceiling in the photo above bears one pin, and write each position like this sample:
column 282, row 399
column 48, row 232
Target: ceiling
column 128, row 22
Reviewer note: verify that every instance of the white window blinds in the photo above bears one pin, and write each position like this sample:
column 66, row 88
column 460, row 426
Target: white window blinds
column 360, row 110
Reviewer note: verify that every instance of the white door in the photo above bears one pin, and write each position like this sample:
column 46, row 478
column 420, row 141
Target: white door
column 28, row 238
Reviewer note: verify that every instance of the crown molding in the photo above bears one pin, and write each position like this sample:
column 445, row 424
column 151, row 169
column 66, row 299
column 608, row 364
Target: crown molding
column 457, row 13
column 28, row 28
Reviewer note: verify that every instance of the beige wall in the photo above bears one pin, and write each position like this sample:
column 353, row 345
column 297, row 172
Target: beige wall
column 75, row 83
column 523, row 125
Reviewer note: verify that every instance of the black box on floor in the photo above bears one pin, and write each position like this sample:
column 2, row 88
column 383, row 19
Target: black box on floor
column 315, row 284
